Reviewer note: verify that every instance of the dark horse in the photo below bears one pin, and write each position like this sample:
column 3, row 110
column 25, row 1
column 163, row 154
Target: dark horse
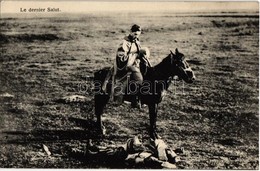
column 156, row 80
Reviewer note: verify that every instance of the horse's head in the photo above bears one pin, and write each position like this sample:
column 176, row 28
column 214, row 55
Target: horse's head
column 180, row 67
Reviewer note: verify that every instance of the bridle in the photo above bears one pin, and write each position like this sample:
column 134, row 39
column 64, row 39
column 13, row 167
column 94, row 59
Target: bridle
column 180, row 68
column 176, row 62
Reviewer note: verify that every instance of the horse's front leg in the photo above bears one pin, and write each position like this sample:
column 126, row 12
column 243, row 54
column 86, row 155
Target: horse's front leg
column 153, row 109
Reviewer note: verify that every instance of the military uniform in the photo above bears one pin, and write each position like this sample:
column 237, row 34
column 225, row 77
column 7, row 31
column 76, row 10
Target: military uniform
column 127, row 58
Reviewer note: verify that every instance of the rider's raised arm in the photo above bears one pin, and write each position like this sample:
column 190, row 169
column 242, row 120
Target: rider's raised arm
column 122, row 51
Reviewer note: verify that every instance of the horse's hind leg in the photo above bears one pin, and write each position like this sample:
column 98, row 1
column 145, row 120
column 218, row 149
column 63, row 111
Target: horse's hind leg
column 98, row 112
column 100, row 103
column 101, row 97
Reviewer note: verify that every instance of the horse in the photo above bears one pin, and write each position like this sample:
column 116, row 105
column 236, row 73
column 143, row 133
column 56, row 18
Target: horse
column 156, row 81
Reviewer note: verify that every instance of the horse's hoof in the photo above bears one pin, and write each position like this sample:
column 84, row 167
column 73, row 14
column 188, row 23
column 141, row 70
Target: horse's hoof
column 103, row 130
column 158, row 136
column 155, row 136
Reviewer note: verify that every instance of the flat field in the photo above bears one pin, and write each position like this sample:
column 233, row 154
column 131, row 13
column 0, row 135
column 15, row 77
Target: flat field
column 42, row 60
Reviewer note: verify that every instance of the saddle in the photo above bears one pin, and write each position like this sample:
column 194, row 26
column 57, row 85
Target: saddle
column 118, row 79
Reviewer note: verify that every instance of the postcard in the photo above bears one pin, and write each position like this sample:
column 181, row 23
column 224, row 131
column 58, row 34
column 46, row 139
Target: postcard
column 129, row 85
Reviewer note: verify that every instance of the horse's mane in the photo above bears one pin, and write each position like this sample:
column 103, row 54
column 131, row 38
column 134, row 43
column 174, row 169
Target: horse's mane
column 161, row 71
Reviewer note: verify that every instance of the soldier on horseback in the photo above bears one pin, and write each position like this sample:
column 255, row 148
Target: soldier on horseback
column 131, row 57
column 129, row 61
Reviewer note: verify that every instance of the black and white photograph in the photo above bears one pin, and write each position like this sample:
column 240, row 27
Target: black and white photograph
column 129, row 85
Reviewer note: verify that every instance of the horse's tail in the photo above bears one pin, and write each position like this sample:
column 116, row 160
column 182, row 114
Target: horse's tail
column 101, row 74
column 101, row 79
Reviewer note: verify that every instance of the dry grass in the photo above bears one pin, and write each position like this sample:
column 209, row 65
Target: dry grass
column 215, row 119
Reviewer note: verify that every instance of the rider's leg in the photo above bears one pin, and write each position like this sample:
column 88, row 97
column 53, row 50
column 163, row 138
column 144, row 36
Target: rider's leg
column 138, row 78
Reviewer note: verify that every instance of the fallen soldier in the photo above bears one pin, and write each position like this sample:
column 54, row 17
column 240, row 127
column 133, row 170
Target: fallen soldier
column 133, row 154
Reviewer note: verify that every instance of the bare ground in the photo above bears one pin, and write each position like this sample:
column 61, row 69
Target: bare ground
column 42, row 60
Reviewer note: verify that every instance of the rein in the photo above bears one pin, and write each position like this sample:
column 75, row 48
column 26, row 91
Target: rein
column 127, row 74
column 160, row 71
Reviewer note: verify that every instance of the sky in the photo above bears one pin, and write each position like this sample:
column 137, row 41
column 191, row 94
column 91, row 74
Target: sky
column 129, row 6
